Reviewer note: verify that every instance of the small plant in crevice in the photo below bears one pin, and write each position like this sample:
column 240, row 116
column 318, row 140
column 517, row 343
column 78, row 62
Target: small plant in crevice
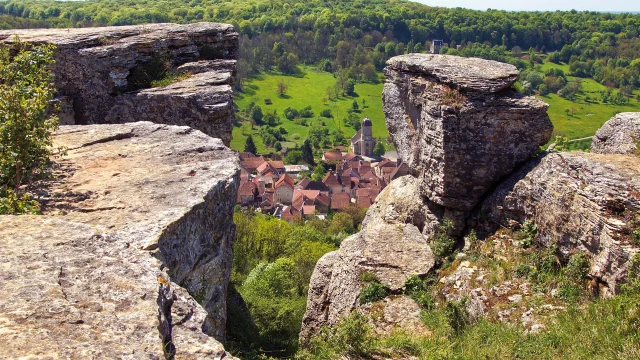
column 442, row 244
column 528, row 233
column 372, row 290
column 419, row 289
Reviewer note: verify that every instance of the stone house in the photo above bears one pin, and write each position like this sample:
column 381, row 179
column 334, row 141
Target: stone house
column 283, row 190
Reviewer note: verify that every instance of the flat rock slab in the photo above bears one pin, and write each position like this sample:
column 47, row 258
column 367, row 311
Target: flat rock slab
column 131, row 207
column 97, row 73
column 471, row 74
column 620, row 135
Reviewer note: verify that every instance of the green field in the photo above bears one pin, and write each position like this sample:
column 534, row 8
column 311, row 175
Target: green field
column 310, row 88
column 588, row 116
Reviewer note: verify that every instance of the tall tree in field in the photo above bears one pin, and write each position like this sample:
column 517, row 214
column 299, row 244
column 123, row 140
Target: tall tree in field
column 250, row 146
column 307, row 153
column 282, row 88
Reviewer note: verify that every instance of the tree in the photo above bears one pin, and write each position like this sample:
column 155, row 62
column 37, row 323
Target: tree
column 293, row 157
column 307, row 153
column 282, row 88
column 256, row 113
column 379, row 149
column 250, row 146
column 26, row 88
column 277, row 146
column 318, row 173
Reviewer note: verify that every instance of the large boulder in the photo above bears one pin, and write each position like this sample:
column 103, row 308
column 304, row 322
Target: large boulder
column 102, row 74
column 132, row 255
column 390, row 248
column 579, row 201
column 457, row 124
column 620, row 135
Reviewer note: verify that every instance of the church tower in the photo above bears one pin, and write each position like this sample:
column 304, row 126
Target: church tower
column 362, row 143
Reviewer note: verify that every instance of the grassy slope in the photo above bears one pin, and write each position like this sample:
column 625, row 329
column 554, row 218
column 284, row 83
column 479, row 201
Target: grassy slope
column 305, row 90
column 310, row 89
column 581, row 124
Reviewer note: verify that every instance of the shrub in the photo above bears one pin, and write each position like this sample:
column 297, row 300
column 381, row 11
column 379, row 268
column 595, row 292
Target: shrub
column 326, row 113
column 372, row 292
column 442, row 245
column 529, row 231
column 268, row 101
column 523, row 270
column 635, row 234
column 306, row 112
column 419, row 289
column 26, row 89
column 350, row 337
column 578, row 267
column 457, row 315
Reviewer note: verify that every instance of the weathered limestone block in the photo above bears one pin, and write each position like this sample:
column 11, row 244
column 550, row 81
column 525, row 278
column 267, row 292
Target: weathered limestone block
column 390, row 248
column 580, row 201
column 136, row 215
column 457, row 126
column 620, row 135
column 96, row 68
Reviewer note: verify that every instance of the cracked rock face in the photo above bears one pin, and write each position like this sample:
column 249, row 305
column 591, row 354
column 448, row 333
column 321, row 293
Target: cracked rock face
column 620, row 135
column 457, row 126
column 96, row 67
column 389, row 248
column 136, row 215
column 582, row 202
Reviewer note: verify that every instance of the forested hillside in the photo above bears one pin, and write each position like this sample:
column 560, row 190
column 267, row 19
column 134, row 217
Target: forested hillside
column 585, row 64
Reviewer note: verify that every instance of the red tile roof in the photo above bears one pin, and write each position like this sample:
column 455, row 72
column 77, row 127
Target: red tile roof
column 340, row 201
column 309, row 209
column 330, row 179
column 364, row 201
column 332, row 156
column 246, row 188
column 285, row 180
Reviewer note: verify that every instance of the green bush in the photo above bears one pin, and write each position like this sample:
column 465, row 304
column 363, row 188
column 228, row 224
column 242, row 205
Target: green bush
column 442, row 244
column 523, row 270
column 26, row 88
column 372, row 292
column 457, row 315
column 577, row 268
column 350, row 337
column 635, row 234
column 419, row 289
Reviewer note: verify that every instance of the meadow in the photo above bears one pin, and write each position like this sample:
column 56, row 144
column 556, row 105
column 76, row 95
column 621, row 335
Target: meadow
column 308, row 89
column 584, row 118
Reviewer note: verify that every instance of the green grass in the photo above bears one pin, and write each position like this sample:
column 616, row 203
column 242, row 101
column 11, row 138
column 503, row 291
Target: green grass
column 602, row 329
column 308, row 89
column 588, row 116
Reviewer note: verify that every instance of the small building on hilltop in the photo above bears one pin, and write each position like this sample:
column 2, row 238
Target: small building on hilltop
column 436, row 45
column 362, row 143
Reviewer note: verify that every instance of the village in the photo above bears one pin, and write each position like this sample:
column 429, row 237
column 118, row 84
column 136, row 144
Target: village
column 353, row 178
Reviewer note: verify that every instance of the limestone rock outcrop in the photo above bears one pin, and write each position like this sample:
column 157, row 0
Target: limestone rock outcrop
column 390, row 248
column 458, row 126
column 136, row 226
column 103, row 73
column 620, row 135
column 580, row 201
